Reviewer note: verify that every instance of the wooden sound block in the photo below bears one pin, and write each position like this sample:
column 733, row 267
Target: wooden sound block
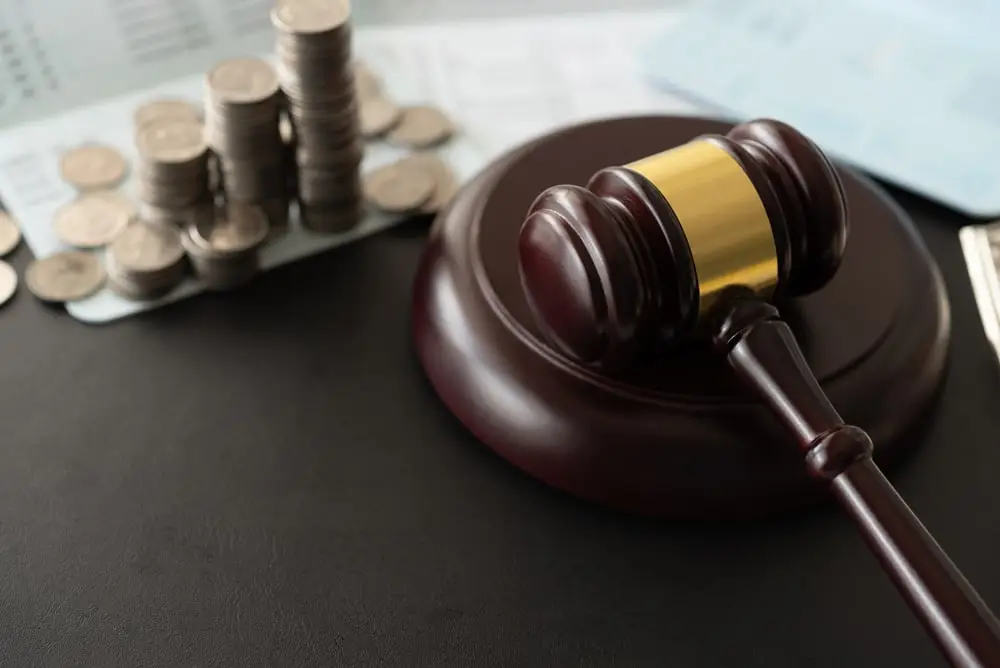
column 677, row 435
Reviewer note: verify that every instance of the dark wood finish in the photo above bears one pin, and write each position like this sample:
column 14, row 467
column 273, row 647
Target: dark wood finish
column 763, row 352
column 607, row 271
column 598, row 266
column 810, row 195
column 674, row 436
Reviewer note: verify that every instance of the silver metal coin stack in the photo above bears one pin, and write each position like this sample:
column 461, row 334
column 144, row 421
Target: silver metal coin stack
column 173, row 170
column 145, row 261
column 243, row 108
column 314, row 42
column 224, row 250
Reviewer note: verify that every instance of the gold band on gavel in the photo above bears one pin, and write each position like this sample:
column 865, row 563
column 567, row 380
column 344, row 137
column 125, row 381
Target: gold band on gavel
column 722, row 216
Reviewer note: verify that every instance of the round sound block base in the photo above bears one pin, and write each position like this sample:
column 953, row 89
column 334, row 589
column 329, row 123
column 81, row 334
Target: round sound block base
column 675, row 435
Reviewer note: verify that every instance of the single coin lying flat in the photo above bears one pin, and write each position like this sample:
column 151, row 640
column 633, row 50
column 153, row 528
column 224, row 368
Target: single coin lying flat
column 398, row 188
column 422, row 127
column 366, row 83
column 8, row 282
column 446, row 183
column 93, row 167
column 94, row 219
column 378, row 115
column 10, row 234
column 65, row 277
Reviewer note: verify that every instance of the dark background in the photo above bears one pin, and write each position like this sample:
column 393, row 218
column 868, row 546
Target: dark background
column 264, row 478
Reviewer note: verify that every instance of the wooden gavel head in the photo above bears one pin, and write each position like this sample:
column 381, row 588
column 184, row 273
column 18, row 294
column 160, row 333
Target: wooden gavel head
column 643, row 252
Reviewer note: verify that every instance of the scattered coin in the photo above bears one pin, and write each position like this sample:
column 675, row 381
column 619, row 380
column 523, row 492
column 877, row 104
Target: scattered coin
column 446, row 184
column 10, row 234
column 93, row 167
column 174, row 109
column 366, row 83
column 399, row 188
column 8, row 282
column 378, row 115
column 422, row 127
column 94, row 219
column 65, row 277
column 146, row 260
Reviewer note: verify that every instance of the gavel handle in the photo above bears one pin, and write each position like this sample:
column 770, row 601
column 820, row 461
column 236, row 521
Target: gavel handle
column 764, row 353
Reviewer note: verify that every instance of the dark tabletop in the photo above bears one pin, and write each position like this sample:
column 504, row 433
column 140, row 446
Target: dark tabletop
column 264, row 478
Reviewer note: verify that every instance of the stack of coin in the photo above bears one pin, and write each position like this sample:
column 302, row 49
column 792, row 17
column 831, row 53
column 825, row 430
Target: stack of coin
column 175, row 108
column 314, row 66
column 243, row 111
column 225, row 249
column 145, row 261
column 173, row 170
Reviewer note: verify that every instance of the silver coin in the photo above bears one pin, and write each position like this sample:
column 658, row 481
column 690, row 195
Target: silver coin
column 143, row 286
column 175, row 109
column 378, row 115
column 398, row 188
column 422, row 127
column 277, row 211
column 171, row 195
column 446, row 183
column 94, row 219
column 366, row 82
column 329, row 187
column 8, row 282
column 10, row 234
column 243, row 80
column 310, row 16
column 178, row 216
column 93, row 167
column 65, row 277
column 251, row 181
column 325, row 219
column 147, row 247
column 236, row 228
column 224, row 250
column 169, row 140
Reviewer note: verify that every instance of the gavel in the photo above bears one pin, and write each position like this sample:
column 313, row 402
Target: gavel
column 700, row 242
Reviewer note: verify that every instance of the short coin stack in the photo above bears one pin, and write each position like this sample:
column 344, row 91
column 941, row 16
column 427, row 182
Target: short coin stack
column 173, row 170
column 243, row 111
column 314, row 67
column 145, row 261
column 225, row 249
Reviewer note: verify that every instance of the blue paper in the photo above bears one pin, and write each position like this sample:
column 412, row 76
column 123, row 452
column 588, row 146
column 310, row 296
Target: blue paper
column 906, row 89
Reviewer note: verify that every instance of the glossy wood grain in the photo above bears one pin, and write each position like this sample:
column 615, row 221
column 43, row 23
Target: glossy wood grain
column 676, row 434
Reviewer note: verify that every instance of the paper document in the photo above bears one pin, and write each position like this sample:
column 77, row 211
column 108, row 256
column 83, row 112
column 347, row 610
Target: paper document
column 906, row 89
column 501, row 81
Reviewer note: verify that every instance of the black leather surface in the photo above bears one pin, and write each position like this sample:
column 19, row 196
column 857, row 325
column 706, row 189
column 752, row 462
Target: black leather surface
column 265, row 479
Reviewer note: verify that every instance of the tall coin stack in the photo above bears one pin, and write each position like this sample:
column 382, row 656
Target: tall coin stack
column 314, row 67
column 173, row 170
column 242, row 113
